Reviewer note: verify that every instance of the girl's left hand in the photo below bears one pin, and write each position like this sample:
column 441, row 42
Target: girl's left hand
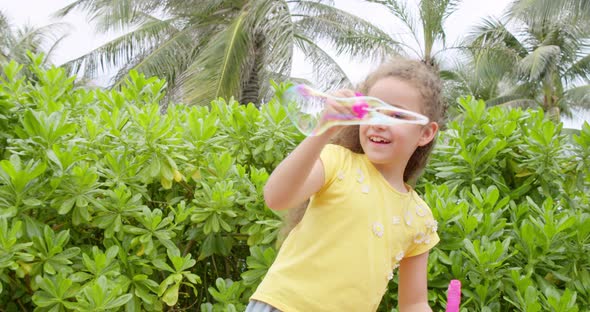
column 335, row 108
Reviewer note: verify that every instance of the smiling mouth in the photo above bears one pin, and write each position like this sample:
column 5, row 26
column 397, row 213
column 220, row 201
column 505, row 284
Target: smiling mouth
column 378, row 140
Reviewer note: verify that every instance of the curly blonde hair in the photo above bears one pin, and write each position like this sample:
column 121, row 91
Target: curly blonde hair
column 426, row 80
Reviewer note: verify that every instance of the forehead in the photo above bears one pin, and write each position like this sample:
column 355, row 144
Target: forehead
column 397, row 92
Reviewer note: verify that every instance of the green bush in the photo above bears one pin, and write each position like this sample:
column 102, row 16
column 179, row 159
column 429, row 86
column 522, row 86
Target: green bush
column 509, row 190
column 108, row 204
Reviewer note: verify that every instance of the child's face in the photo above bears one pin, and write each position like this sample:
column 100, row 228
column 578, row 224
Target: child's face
column 392, row 146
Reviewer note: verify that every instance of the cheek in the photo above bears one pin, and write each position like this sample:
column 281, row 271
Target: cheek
column 405, row 132
column 363, row 131
column 363, row 135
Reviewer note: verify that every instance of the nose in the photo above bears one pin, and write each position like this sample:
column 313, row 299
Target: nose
column 378, row 127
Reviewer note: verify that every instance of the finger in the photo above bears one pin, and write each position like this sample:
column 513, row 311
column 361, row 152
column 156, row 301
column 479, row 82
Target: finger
column 344, row 93
column 336, row 108
column 348, row 93
column 340, row 108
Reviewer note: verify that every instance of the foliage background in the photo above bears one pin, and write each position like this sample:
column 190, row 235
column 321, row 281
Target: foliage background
column 106, row 204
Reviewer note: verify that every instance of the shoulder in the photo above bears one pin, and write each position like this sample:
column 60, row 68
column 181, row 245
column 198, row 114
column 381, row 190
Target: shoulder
column 337, row 149
column 421, row 203
column 336, row 154
column 425, row 212
column 337, row 161
column 426, row 227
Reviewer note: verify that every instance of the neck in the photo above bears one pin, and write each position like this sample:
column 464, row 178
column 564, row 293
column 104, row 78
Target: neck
column 393, row 176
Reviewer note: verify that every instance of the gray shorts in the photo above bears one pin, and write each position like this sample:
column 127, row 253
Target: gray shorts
column 259, row 306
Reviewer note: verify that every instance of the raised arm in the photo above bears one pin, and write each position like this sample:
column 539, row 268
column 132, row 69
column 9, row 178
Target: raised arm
column 301, row 174
column 298, row 176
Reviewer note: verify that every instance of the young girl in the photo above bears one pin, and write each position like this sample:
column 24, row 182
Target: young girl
column 363, row 223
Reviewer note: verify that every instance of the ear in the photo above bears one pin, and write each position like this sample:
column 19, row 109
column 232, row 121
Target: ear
column 428, row 133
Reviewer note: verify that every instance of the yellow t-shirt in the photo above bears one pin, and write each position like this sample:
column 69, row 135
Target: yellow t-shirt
column 347, row 247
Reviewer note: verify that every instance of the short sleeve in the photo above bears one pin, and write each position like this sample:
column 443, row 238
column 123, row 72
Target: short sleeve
column 427, row 234
column 332, row 158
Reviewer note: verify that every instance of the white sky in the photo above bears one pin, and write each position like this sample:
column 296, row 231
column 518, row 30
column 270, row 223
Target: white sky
column 82, row 39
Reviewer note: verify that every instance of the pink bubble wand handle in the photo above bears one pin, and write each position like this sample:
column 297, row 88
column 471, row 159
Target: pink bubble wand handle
column 454, row 296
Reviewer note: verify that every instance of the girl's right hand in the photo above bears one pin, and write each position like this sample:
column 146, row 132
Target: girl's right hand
column 335, row 108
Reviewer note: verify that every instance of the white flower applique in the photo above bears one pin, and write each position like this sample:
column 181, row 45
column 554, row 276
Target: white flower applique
column 420, row 210
column 395, row 220
column 378, row 229
column 365, row 188
column 421, row 238
column 390, row 275
column 400, row 255
column 431, row 225
column 360, row 176
column 398, row 258
column 408, row 218
column 340, row 175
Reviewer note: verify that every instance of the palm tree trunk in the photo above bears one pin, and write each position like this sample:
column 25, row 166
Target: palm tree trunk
column 428, row 43
column 550, row 100
column 251, row 88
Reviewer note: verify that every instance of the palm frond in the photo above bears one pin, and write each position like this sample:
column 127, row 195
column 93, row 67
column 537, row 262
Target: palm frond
column 539, row 62
column 576, row 10
column 455, row 85
column 82, row 5
column 401, row 11
column 5, row 28
column 213, row 73
column 513, row 103
column 347, row 33
column 493, row 63
column 512, row 100
column 486, row 74
column 124, row 49
column 433, row 14
column 274, row 53
column 36, row 40
column 198, row 6
column 524, row 89
column 113, row 15
column 327, row 73
column 6, row 37
column 168, row 60
column 578, row 97
column 491, row 32
column 579, row 70
column 451, row 75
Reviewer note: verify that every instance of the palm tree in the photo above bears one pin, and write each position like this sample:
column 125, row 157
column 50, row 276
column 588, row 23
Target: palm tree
column 426, row 29
column 484, row 74
column 219, row 48
column 537, row 54
column 15, row 42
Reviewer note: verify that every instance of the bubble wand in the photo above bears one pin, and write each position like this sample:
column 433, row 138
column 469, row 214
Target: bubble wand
column 306, row 107
column 454, row 296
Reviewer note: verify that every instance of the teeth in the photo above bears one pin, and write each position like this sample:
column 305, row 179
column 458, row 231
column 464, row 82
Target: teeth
column 378, row 140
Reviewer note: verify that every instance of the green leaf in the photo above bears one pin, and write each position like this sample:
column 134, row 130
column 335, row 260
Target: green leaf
column 170, row 297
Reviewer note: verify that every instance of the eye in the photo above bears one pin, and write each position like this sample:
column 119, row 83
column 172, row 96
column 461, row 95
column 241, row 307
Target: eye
column 397, row 115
